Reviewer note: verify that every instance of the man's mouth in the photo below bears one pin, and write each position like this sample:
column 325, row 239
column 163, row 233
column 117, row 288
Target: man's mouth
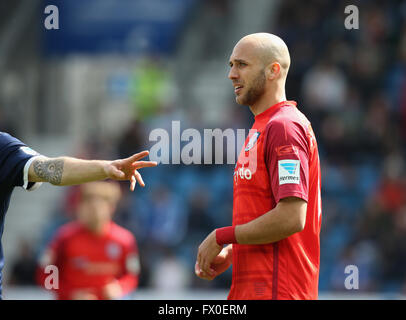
column 237, row 88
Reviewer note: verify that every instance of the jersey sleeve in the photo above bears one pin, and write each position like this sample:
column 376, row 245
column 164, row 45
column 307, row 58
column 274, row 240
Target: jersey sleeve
column 287, row 159
column 15, row 161
column 129, row 279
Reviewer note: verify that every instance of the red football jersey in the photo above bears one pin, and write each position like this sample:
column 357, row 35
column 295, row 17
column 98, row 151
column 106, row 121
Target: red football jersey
column 279, row 159
column 87, row 261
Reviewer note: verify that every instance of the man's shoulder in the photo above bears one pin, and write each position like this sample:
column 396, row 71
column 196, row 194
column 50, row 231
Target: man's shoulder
column 286, row 119
column 121, row 234
column 7, row 140
column 10, row 145
column 4, row 136
column 13, row 156
column 69, row 229
column 287, row 127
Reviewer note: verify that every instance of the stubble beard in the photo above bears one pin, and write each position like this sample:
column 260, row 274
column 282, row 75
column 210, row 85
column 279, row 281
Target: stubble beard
column 254, row 92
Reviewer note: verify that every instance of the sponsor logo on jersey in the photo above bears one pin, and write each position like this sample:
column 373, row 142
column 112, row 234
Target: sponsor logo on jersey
column 289, row 171
column 242, row 173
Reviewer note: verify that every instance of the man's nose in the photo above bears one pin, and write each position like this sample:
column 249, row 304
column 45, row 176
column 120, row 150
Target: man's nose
column 232, row 74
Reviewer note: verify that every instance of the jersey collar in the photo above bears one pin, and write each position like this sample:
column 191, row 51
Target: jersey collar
column 268, row 112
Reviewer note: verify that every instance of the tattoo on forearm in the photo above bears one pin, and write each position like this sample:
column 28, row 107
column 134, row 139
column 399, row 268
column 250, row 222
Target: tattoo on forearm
column 49, row 170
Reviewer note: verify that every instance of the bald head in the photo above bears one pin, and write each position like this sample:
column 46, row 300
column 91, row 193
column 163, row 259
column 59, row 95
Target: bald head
column 259, row 66
column 268, row 48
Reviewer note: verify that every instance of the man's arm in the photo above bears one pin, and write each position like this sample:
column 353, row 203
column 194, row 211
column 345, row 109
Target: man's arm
column 128, row 280
column 287, row 218
column 65, row 171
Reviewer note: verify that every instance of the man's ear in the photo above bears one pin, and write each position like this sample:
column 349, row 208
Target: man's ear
column 273, row 70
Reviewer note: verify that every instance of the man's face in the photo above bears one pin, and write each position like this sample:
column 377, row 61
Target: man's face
column 247, row 73
column 95, row 211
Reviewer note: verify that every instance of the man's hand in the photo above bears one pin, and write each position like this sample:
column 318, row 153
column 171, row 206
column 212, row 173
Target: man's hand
column 112, row 291
column 83, row 294
column 220, row 264
column 208, row 250
column 127, row 169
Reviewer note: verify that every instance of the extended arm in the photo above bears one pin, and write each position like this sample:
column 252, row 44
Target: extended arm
column 65, row 171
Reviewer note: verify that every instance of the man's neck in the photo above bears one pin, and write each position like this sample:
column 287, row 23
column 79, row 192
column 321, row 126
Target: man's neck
column 268, row 100
column 98, row 230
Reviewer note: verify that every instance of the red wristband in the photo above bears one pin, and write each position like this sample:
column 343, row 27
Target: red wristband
column 225, row 235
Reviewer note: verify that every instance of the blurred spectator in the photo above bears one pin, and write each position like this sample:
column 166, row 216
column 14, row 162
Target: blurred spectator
column 150, row 88
column 362, row 255
column 199, row 220
column 393, row 254
column 170, row 273
column 23, row 270
column 133, row 138
column 96, row 258
column 324, row 87
column 167, row 217
column 392, row 188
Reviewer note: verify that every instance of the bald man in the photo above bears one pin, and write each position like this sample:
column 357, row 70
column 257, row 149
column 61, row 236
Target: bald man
column 273, row 243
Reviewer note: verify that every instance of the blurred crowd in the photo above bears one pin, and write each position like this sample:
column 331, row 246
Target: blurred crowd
column 351, row 84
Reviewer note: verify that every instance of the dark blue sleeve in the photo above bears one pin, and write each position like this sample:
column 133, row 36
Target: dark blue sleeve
column 14, row 155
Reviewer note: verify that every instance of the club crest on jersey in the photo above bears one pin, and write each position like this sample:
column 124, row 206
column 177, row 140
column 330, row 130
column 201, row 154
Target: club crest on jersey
column 289, row 171
column 252, row 141
column 113, row 250
column 29, row 151
column 80, row 262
